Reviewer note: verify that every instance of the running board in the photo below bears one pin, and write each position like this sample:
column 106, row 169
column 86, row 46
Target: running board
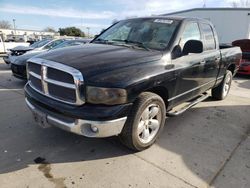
column 191, row 104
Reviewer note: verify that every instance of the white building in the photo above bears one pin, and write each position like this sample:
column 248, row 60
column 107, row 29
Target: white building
column 24, row 34
column 231, row 23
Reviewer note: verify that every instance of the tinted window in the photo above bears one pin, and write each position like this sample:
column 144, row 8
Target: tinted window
column 53, row 44
column 191, row 32
column 69, row 43
column 209, row 42
column 40, row 43
column 35, row 44
column 151, row 33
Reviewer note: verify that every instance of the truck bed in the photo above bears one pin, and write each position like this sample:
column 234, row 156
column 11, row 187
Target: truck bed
column 230, row 55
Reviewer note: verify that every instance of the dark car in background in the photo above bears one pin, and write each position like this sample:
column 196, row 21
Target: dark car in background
column 20, row 50
column 18, row 66
column 244, row 44
column 74, row 42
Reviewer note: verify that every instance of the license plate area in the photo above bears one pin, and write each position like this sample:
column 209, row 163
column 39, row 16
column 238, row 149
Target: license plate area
column 41, row 119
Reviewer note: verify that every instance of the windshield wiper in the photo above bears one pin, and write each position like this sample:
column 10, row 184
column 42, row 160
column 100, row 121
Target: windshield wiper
column 139, row 44
column 103, row 41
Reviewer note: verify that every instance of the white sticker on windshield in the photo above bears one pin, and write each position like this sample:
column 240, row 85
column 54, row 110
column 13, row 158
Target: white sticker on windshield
column 163, row 21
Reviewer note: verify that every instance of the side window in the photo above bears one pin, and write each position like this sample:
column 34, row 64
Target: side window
column 191, row 32
column 209, row 40
column 53, row 44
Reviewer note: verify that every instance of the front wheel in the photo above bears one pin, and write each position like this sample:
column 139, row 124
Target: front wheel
column 221, row 91
column 145, row 122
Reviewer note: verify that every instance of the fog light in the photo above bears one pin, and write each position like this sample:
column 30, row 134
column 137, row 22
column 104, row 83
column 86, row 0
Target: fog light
column 94, row 128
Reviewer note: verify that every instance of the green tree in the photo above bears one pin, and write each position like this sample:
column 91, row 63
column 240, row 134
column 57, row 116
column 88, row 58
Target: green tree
column 71, row 31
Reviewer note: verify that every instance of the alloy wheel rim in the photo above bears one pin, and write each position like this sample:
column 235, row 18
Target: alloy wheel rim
column 149, row 123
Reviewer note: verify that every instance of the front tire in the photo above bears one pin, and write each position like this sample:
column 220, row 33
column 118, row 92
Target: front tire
column 145, row 122
column 221, row 91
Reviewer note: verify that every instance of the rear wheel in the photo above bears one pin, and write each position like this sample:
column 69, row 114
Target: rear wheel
column 144, row 123
column 221, row 91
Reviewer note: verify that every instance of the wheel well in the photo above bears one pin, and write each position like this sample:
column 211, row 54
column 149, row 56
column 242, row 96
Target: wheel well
column 231, row 68
column 162, row 92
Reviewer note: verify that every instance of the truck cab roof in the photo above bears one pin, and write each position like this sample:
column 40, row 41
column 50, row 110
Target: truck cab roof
column 179, row 18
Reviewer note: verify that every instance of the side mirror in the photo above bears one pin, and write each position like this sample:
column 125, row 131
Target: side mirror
column 176, row 52
column 192, row 46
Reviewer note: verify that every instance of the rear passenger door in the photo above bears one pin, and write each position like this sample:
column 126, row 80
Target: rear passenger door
column 211, row 55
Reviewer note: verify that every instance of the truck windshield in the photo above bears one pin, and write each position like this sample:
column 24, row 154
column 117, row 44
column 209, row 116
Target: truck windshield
column 149, row 33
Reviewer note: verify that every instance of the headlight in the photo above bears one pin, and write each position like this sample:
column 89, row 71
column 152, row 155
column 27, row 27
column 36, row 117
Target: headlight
column 109, row 96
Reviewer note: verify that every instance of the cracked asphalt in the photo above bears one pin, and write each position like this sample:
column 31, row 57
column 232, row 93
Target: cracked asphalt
column 207, row 146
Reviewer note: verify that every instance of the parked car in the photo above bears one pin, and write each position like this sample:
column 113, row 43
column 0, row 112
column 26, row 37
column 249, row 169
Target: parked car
column 129, row 77
column 74, row 42
column 5, row 46
column 18, row 66
column 244, row 44
column 20, row 50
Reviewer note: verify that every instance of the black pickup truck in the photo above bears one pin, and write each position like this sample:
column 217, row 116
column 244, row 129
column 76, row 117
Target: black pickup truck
column 130, row 77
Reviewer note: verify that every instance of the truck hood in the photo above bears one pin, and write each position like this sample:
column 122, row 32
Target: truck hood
column 92, row 59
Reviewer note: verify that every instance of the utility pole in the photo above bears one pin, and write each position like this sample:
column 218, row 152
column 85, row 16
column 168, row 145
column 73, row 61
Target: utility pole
column 88, row 28
column 204, row 4
column 14, row 24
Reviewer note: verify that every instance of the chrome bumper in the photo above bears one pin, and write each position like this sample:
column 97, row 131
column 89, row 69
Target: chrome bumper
column 78, row 126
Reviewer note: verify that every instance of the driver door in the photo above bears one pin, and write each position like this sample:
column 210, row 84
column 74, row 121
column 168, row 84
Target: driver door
column 189, row 68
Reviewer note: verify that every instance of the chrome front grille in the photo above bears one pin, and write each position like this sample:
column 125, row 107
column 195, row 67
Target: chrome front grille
column 55, row 80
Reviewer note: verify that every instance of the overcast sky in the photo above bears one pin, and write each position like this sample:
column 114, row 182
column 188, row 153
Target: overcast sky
column 96, row 14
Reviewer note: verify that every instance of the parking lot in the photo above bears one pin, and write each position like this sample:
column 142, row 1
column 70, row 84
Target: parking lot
column 209, row 145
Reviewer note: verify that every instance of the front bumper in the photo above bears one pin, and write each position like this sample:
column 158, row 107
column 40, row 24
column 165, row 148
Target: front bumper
column 87, row 111
column 83, row 127
column 6, row 60
column 19, row 71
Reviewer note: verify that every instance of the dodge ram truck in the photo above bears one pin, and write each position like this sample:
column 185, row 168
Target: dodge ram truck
column 130, row 78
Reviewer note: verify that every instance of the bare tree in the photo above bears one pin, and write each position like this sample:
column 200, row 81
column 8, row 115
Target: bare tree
column 5, row 24
column 49, row 29
column 241, row 3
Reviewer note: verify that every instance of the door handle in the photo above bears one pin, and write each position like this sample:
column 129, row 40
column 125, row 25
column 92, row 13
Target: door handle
column 199, row 63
